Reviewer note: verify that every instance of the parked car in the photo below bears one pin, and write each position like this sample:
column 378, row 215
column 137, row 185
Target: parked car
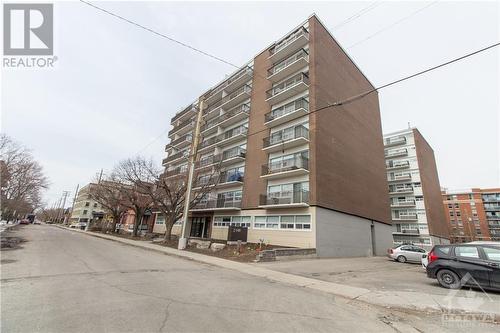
column 406, row 253
column 425, row 260
column 458, row 265
column 25, row 221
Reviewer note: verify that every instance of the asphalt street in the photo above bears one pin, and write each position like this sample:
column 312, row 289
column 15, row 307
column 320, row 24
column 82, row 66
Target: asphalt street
column 62, row 281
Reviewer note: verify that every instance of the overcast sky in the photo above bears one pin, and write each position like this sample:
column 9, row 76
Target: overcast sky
column 115, row 87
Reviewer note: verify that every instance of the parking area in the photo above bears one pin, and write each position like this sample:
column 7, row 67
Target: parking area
column 374, row 273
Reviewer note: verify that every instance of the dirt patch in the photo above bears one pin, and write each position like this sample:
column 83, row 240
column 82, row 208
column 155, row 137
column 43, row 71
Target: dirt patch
column 8, row 241
column 247, row 252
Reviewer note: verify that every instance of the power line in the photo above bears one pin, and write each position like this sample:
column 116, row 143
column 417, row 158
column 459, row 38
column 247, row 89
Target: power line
column 159, row 34
column 357, row 14
column 392, row 25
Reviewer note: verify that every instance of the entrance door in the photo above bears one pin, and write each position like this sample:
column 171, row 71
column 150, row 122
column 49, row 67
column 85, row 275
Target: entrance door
column 199, row 227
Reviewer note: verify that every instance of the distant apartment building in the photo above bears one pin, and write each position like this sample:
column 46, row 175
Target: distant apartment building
column 85, row 208
column 473, row 214
column 295, row 177
column 415, row 195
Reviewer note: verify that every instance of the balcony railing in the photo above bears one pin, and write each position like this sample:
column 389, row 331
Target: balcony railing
column 175, row 156
column 301, row 103
column 302, row 54
column 244, row 108
column 182, row 125
column 397, row 164
column 396, row 152
column 403, row 203
column 224, row 136
column 226, row 155
column 235, row 77
column 284, row 136
column 175, row 172
column 287, row 84
column 405, row 217
column 218, row 203
column 400, row 176
column 232, row 153
column 230, row 177
column 290, row 39
column 400, row 189
column 189, row 109
column 183, row 139
column 285, row 165
column 246, row 89
column 409, row 231
column 285, row 198
column 399, row 140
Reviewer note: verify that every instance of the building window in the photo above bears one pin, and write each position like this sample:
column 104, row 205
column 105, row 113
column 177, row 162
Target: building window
column 87, row 204
column 95, row 205
column 85, row 212
column 160, row 219
column 283, row 222
column 233, row 221
column 450, row 206
column 456, row 206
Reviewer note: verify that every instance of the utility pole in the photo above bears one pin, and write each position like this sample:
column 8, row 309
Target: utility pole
column 65, row 193
column 192, row 158
column 74, row 199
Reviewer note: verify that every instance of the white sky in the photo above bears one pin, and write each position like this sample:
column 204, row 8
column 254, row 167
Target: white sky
column 115, row 87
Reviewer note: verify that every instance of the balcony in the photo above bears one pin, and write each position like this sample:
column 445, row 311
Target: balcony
column 491, row 208
column 183, row 128
column 286, row 199
column 181, row 142
column 393, row 165
column 401, row 190
column 286, row 168
column 175, row 172
column 228, row 157
column 175, row 157
column 230, row 84
column 399, row 140
column 403, row 203
column 218, row 205
column 226, row 138
column 288, row 88
column 229, row 118
column 396, row 153
column 236, row 97
column 288, row 112
column 285, row 139
column 399, row 177
column 184, row 115
column 288, row 66
column 289, row 45
column 409, row 232
column 228, row 179
column 405, row 217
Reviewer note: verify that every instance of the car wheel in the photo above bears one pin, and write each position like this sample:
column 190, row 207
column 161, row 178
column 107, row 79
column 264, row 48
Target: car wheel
column 401, row 259
column 448, row 279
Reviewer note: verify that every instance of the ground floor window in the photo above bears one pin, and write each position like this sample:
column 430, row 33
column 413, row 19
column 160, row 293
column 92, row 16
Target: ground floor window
column 160, row 219
column 236, row 221
column 285, row 222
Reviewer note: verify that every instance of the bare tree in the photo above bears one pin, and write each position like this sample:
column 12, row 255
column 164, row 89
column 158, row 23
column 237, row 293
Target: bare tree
column 134, row 182
column 169, row 193
column 108, row 193
column 22, row 179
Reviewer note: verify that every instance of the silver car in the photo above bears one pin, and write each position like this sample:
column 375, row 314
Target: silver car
column 406, row 253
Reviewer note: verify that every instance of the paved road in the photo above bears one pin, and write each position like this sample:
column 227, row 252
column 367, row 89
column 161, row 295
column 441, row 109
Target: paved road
column 62, row 281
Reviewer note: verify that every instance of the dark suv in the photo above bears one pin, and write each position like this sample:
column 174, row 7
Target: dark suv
column 472, row 264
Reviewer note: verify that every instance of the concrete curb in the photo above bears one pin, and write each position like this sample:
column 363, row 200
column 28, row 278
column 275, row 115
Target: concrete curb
column 414, row 301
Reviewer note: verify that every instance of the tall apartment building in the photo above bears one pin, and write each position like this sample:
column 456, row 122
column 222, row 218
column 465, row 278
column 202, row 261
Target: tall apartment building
column 415, row 194
column 473, row 214
column 84, row 207
column 293, row 176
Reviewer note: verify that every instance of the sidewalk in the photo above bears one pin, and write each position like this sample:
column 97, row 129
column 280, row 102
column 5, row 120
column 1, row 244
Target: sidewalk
column 408, row 300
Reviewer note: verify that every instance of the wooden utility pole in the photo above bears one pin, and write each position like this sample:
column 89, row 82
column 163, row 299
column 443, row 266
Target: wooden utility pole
column 192, row 158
